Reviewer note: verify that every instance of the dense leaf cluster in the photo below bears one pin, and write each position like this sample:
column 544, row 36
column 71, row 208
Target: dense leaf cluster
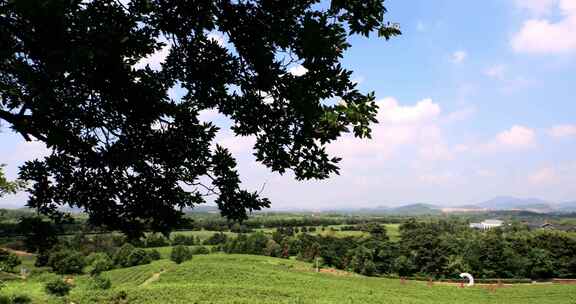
column 133, row 155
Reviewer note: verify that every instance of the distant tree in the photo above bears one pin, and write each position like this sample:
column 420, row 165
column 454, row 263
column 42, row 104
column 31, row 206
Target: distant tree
column 272, row 249
column 39, row 234
column 154, row 255
column 100, row 282
column 156, row 240
column 9, row 187
column 181, row 239
column 200, row 250
column 377, row 231
column 98, row 263
column 404, row 266
column 137, row 257
column 362, row 261
column 180, row 254
column 540, row 264
column 8, row 260
column 57, row 287
column 123, row 147
column 216, row 239
column 121, row 257
column 66, row 262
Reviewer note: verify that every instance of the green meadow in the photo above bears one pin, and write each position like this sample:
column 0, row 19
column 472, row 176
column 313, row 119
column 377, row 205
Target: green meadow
column 222, row 278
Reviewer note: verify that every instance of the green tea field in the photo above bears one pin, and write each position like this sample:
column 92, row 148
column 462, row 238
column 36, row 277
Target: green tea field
column 221, row 278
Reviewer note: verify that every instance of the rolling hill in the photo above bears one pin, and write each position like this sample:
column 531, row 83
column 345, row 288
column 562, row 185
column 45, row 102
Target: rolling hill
column 221, row 278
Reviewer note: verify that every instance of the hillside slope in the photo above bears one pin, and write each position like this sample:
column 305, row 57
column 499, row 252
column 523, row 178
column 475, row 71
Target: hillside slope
column 220, row 278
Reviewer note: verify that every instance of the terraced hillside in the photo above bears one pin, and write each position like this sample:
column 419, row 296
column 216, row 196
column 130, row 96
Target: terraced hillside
column 220, row 278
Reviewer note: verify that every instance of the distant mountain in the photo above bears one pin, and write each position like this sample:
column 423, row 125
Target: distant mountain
column 415, row 209
column 514, row 203
column 410, row 209
column 567, row 207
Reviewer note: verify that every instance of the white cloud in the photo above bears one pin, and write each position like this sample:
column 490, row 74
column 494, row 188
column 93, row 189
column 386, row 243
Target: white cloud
column 461, row 114
column 154, row 60
column 543, row 36
column 517, row 136
column 562, row 131
column 218, row 38
column 459, row 56
column 496, row 71
column 416, row 128
column 298, row 70
column 391, row 112
column 544, row 175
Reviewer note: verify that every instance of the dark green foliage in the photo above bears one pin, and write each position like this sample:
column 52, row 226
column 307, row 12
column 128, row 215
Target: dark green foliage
column 128, row 256
column 5, row 299
column 98, row 263
column 200, row 250
column 272, row 249
column 42, row 259
column 181, row 239
column 21, row 299
column 9, row 187
column 57, row 287
column 121, row 256
column 156, row 240
column 66, row 262
column 404, row 266
column 100, row 282
column 154, row 255
column 8, row 260
column 180, row 254
column 69, row 81
column 540, row 264
column 216, row 239
column 40, row 235
column 362, row 261
column 137, row 257
column 377, row 231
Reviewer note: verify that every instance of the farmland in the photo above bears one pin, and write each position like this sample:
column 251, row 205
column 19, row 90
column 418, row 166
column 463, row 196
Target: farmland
column 221, row 278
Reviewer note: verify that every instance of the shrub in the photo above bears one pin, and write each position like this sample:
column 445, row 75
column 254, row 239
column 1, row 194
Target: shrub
column 99, row 262
column 42, row 259
column 180, row 254
column 21, row 299
column 181, row 239
column 100, row 282
column 154, row 255
column 156, row 240
column 57, row 288
column 66, row 262
column 5, row 300
column 120, row 297
column 8, row 261
column 216, row 239
column 272, row 249
column 200, row 250
column 137, row 257
column 121, row 255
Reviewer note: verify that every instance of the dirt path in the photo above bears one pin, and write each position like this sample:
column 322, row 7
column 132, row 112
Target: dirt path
column 155, row 276
column 17, row 252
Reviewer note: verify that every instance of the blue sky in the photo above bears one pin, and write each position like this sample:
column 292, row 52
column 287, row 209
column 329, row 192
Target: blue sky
column 477, row 99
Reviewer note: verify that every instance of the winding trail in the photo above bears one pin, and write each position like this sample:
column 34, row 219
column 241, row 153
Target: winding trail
column 155, row 277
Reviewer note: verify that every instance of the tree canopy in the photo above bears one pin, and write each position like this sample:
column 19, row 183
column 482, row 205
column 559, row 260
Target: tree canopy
column 9, row 187
column 130, row 154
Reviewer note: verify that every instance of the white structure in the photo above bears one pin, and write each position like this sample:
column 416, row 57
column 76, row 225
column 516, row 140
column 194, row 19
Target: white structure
column 486, row 225
column 469, row 277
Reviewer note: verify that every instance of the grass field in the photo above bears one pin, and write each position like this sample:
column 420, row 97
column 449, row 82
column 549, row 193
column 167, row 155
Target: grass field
column 221, row 278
